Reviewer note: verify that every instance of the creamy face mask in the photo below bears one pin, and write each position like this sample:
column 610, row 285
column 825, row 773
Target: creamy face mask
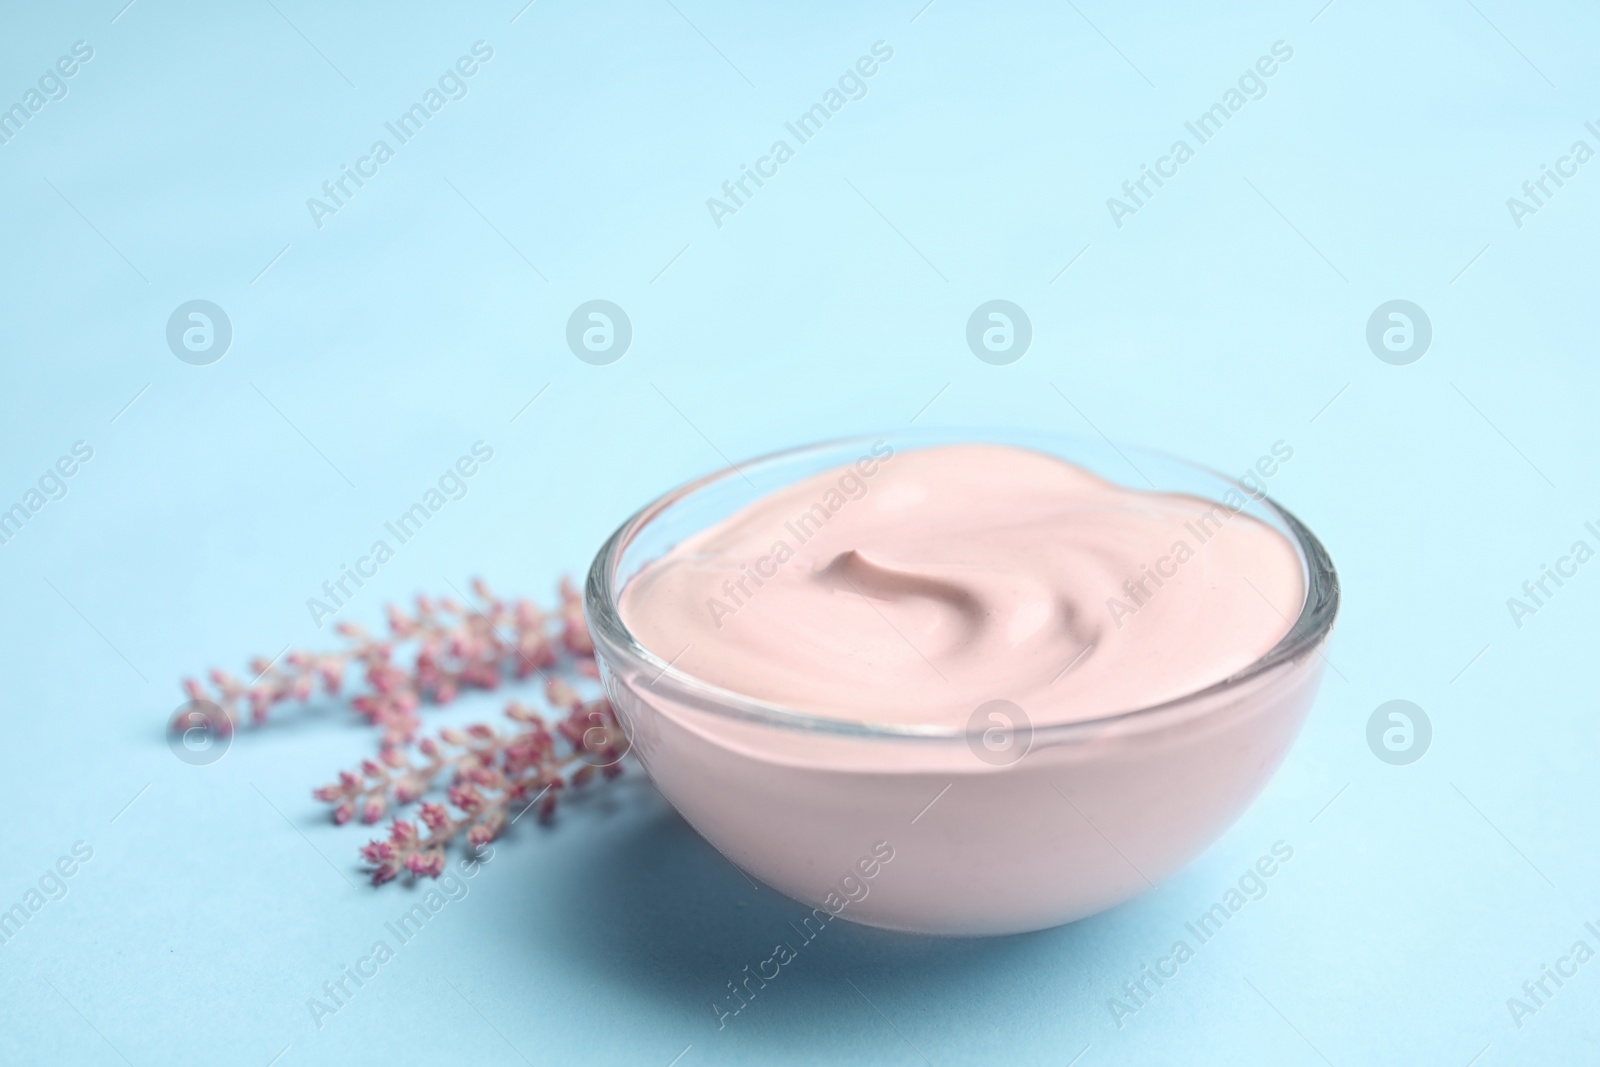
column 1039, row 691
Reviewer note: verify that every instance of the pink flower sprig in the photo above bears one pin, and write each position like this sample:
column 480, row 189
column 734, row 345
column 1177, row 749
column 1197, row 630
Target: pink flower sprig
column 491, row 778
column 428, row 656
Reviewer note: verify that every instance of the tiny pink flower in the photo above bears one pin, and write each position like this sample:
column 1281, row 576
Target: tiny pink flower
column 435, row 816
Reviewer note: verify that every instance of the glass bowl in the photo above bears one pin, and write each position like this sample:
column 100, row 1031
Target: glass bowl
column 937, row 829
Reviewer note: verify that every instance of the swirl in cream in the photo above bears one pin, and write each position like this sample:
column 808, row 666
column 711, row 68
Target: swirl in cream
column 910, row 587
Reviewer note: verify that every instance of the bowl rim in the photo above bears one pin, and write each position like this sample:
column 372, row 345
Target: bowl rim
column 1309, row 631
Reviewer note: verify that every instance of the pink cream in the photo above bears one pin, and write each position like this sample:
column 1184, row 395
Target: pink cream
column 911, row 588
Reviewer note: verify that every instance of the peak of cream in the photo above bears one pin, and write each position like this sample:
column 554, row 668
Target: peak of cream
column 910, row 587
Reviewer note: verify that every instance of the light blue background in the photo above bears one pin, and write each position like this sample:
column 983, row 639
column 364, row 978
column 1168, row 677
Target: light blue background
column 1227, row 314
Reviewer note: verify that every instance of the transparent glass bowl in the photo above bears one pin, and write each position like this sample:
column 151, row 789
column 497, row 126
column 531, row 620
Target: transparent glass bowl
column 910, row 827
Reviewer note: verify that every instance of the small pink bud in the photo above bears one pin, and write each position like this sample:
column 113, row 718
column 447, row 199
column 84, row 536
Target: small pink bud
column 575, row 635
column 561, row 694
column 377, row 851
column 426, row 864
column 466, row 798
